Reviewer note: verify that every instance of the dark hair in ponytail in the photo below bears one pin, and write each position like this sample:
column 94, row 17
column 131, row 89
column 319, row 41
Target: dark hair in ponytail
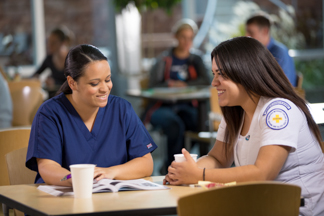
column 75, row 62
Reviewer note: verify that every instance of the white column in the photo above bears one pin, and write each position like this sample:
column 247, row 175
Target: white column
column 38, row 31
column 188, row 9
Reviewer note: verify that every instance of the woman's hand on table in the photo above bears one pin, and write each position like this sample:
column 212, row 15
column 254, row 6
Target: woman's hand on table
column 186, row 172
column 107, row 173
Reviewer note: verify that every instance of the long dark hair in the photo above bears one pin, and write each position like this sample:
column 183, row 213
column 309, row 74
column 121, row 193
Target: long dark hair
column 247, row 62
column 75, row 62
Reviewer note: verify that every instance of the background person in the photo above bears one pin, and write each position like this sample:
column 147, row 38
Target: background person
column 58, row 47
column 267, row 129
column 258, row 27
column 5, row 104
column 84, row 124
column 179, row 66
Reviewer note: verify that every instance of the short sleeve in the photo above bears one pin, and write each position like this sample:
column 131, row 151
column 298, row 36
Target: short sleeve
column 45, row 139
column 280, row 123
column 221, row 131
column 138, row 140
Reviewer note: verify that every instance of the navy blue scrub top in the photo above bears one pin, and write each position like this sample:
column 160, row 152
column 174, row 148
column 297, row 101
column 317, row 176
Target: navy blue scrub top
column 59, row 134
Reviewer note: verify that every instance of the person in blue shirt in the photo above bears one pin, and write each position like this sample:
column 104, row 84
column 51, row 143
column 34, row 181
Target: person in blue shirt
column 5, row 105
column 84, row 124
column 258, row 27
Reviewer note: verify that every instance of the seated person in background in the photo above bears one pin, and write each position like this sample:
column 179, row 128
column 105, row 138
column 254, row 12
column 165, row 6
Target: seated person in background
column 58, row 42
column 258, row 27
column 84, row 124
column 5, row 104
column 179, row 66
column 267, row 129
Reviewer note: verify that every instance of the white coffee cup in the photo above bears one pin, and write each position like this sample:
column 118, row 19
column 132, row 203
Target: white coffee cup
column 82, row 179
column 181, row 157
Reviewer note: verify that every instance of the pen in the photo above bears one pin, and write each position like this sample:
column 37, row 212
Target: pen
column 66, row 177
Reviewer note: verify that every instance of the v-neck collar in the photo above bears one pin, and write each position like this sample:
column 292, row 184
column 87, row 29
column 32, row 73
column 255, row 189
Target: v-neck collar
column 79, row 122
column 254, row 118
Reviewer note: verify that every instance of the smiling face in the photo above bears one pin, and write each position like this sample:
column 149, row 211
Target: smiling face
column 229, row 92
column 93, row 88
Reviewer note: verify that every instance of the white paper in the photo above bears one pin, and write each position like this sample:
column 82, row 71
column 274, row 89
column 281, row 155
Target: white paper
column 105, row 185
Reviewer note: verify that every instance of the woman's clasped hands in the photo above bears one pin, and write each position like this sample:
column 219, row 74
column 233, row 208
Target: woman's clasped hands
column 185, row 172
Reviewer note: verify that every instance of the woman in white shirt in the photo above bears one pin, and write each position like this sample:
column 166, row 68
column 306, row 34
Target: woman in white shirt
column 267, row 129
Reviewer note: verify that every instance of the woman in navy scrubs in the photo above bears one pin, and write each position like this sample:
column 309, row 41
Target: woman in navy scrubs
column 85, row 124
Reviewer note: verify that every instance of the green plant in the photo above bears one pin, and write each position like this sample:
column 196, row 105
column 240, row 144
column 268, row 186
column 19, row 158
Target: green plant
column 143, row 5
column 313, row 72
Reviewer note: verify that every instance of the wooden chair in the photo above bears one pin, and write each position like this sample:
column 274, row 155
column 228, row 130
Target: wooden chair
column 214, row 118
column 299, row 89
column 253, row 199
column 10, row 140
column 26, row 97
column 18, row 172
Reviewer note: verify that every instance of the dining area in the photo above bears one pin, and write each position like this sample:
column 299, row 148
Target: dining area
column 19, row 195
column 156, row 108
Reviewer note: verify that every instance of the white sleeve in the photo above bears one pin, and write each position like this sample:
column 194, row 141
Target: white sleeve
column 221, row 131
column 280, row 124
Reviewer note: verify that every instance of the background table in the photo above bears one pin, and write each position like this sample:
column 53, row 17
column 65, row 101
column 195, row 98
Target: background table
column 184, row 94
column 29, row 199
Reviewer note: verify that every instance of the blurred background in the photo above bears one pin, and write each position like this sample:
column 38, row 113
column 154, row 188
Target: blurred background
column 132, row 33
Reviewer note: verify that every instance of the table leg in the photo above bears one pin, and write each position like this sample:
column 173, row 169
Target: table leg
column 202, row 119
column 5, row 209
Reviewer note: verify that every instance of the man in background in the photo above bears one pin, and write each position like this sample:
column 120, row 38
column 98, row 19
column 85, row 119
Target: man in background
column 258, row 27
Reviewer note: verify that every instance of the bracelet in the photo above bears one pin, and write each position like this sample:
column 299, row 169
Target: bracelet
column 204, row 174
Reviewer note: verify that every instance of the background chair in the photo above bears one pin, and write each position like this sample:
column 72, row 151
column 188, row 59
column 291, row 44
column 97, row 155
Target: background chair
column 258, row 198
column 214, row 119
column 27, row 96
column 10, row 140
column 299, row 89
column 18, row 172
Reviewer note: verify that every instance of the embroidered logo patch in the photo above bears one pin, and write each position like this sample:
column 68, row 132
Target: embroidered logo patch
column 277, row 102
column 277, row 119
column 149, row 146
column 247, row 138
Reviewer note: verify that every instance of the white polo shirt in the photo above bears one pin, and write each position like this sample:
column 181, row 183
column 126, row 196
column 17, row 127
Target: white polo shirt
column 280, row 122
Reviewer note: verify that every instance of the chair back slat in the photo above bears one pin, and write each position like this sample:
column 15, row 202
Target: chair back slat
column 261, row 198
column 10, row 140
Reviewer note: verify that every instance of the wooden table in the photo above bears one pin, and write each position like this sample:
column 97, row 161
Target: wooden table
column 184, row 94
column 28, row 199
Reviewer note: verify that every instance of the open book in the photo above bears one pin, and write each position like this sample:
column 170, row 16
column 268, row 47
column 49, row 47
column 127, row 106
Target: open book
column 105, row 185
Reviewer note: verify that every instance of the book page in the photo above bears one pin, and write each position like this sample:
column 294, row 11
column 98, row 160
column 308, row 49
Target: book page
column 105, row 185
column 139, row 184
